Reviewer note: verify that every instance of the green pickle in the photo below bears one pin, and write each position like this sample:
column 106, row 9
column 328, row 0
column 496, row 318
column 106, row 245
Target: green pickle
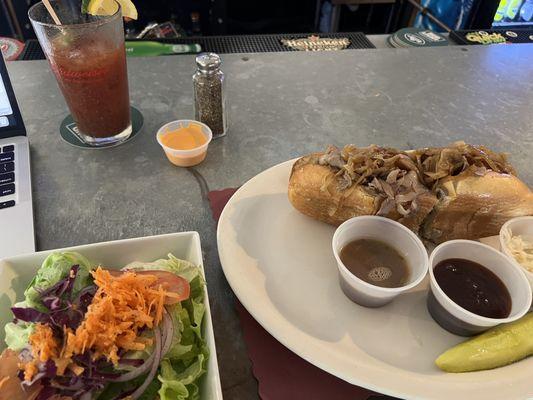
column 499, row 346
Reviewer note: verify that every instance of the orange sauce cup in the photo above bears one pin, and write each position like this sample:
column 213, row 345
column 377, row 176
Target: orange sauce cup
column 185, row 141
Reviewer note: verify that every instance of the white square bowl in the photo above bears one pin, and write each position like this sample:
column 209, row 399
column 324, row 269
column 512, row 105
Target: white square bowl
column 16, row 272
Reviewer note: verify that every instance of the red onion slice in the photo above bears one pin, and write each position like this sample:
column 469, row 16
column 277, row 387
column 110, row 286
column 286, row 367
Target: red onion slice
column 166, row 341
column 168, row 332
column 130, row 362
column 155, row 365
column 144, row 368
column 73, row 388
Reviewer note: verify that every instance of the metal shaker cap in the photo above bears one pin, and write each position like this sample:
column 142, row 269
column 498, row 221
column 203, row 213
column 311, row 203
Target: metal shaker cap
column 208, row 62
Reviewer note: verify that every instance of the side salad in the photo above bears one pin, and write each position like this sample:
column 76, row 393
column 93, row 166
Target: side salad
column 86, row 332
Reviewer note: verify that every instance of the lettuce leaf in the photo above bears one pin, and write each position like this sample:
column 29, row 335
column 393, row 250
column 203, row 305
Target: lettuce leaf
column 180, row 385
column 55, row 268
column 182, row 268
column 186, row 361
column 171, row 387
column 17, row 335
column 113, row 391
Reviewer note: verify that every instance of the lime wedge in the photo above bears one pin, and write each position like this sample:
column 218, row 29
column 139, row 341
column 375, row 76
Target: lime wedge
column 109, row 7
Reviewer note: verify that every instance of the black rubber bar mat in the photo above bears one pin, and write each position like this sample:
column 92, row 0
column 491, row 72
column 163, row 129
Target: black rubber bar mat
column 233, row 44
column 32, row 51
column 493, row 36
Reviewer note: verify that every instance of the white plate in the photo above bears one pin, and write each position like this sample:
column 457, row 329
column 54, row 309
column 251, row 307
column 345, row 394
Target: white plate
column 280, row 265
column 16, row 272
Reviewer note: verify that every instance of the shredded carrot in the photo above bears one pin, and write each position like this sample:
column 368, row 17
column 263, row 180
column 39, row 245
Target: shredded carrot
column 30, row 369
column 62, row 364
column 44, row 345
column 76, row 369
column 121, row 307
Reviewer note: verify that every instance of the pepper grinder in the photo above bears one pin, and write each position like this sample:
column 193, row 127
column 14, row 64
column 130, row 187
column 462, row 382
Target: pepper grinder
column 209, row 93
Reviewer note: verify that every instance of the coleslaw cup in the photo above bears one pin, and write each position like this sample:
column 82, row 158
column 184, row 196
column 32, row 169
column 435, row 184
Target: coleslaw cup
column 517, row 226
column 393, row 234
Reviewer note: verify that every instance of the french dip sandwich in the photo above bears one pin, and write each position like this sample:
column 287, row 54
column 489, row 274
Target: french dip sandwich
column 456, row 192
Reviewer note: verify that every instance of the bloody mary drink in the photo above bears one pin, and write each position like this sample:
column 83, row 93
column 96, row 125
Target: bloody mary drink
column 88, row 59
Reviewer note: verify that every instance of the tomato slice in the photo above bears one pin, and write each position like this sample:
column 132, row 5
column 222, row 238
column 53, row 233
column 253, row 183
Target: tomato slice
column 178, row 287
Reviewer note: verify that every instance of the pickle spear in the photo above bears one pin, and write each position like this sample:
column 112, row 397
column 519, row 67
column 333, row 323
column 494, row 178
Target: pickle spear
column 499, row 346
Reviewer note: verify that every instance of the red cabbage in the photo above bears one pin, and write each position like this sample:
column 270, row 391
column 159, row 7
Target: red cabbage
column 53, row 303
column 62, row 309
column 30, row 315
column 65, row 285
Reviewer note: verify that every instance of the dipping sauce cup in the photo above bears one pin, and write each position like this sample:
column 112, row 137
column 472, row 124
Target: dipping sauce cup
column 391, row 233
column 185, row 141
column 455, row 318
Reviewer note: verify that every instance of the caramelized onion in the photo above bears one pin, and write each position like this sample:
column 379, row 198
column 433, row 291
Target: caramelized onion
column 400, row 178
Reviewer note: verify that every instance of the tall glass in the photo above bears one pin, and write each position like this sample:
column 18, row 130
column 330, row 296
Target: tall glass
column 87, row 55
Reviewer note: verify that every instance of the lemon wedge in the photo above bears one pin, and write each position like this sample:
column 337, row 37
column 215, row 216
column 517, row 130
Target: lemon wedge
column 109, row 7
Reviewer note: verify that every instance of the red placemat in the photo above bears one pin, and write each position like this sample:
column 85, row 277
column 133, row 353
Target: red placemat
column 281, row 373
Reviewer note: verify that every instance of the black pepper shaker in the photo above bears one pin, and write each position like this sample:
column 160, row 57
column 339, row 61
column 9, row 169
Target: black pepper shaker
column 209, row 94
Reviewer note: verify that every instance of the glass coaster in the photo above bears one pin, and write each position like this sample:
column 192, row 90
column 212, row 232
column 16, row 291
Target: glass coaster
column 68, row 130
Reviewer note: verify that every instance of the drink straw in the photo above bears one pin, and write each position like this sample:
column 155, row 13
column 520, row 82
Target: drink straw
column 52, row 12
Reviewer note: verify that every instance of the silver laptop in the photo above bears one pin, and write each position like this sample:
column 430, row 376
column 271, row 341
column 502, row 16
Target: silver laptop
column 16, row 212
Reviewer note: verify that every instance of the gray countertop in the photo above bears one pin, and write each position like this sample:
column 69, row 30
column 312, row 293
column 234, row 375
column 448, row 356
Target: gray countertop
column 281, row 105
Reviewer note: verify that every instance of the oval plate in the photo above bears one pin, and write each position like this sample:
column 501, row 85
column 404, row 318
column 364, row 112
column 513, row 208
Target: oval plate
column 280, row 265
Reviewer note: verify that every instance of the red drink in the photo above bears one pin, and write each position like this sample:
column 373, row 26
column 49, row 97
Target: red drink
column 93, row 78
column 88, row 58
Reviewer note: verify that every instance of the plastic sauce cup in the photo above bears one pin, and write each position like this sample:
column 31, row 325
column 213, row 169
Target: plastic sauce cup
column 456, row 319
column 517, row 226
column 393, row 234
column 181, row 157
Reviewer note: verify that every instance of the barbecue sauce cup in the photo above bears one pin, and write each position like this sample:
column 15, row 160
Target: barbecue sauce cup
column 457, row 319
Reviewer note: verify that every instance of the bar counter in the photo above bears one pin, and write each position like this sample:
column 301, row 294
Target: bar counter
column 281, row 105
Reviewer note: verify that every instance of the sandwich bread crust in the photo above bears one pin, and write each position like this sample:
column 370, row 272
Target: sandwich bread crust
column 469, row 202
